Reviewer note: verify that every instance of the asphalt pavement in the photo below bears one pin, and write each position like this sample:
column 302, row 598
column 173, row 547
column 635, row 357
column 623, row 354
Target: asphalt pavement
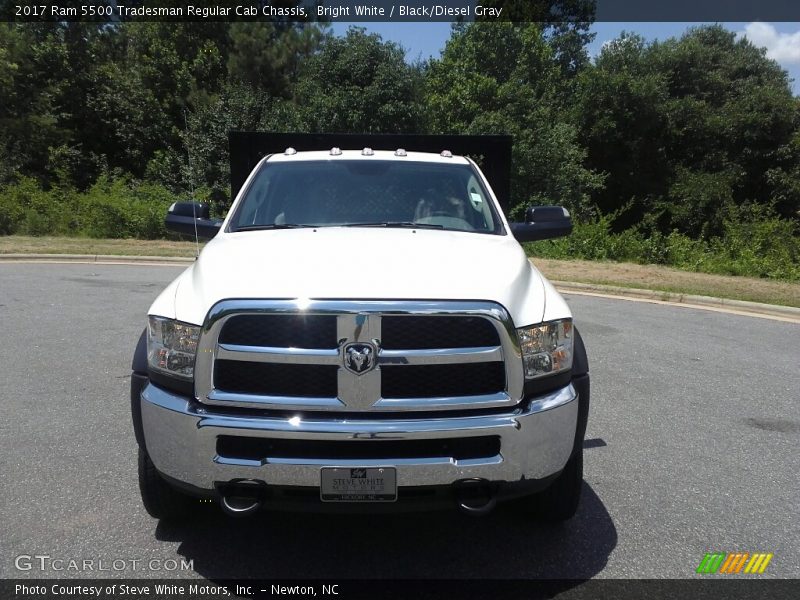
column 692, row 447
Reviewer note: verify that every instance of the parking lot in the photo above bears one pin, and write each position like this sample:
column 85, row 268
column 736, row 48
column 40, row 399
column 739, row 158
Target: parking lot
column 693, row 446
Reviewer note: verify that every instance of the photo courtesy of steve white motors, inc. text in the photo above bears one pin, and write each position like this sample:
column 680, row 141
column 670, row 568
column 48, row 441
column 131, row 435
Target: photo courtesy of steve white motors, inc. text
column 140, row 590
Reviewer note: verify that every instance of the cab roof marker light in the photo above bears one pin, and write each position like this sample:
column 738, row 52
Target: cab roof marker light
column 335, row 151
column 290, row 151
column 400, row 152
column 367, row 152
column 447, row 154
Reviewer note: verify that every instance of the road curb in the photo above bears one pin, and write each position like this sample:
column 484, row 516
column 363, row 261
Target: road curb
column 757, row 308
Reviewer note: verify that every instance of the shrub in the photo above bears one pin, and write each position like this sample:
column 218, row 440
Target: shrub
column 12, row 210
column 593, row 240
column 111, row 208
column 26, row 208
column 754, row 242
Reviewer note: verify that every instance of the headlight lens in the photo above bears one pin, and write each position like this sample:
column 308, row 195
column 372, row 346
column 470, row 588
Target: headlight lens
column 172, row 346
column 546, row 348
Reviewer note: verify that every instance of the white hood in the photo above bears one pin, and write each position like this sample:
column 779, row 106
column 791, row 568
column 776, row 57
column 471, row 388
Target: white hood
column 357, row 264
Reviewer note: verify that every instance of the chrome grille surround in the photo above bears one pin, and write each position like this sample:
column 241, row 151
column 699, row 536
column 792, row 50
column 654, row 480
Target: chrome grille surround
column 358, row 321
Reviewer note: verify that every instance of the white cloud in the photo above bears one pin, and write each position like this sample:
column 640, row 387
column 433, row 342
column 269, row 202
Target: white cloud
column 782, row 47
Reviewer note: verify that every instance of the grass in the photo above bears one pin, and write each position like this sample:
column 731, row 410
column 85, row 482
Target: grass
column 629, row 275
column 23, row 244
column 667, row 279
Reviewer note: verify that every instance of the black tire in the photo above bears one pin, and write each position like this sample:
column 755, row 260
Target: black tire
column 160, row 499
column 560, row 501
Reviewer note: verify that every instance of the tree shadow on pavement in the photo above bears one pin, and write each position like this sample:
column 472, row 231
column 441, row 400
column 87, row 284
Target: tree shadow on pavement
column 504, row 544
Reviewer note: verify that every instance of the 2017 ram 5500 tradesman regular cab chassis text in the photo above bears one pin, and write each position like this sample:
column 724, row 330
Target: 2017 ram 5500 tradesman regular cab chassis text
column 363, row 330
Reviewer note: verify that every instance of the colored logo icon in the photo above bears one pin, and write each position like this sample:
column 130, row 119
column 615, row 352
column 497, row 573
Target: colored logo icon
column 734, row 562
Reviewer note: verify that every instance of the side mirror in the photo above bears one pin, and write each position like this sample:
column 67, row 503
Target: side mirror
column 187, row 217
column 543, row 223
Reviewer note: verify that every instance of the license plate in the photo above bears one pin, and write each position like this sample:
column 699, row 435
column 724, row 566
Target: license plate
column 360, row 484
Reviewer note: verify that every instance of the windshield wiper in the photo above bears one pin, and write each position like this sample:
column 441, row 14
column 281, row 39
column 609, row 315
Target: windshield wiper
column 271, row 226
column 398, row 224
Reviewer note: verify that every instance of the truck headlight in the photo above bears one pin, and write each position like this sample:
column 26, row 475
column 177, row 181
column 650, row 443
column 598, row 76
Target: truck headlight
column 546, row 348
column 172, row 346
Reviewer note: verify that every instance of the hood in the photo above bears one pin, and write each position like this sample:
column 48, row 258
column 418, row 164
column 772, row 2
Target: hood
column 359, row 264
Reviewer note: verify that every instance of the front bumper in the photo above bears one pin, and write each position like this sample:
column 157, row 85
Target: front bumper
column 181, row 438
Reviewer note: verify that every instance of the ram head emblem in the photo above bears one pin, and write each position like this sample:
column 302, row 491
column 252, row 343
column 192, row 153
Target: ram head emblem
column 359, row 358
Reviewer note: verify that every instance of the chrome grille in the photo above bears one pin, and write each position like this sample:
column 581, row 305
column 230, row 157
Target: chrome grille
column 289, row 355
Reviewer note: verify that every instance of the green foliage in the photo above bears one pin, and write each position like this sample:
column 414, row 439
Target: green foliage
column 754, row 242
column 357, row 83
column 504, row 78
column 29, row 122
column 111, row 208
column 17, row 202
column 116, row 96
column 683, row 152
column 687, row 126
column 267, row 56
column 205, row 161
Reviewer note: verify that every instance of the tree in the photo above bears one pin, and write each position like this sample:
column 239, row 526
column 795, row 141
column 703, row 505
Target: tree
column 619, row 112
column 564, row 24
column 203, row 163
column 687, row 126
column 267, row 56
column 503, row 78
column 358, row 83
column 29, row 114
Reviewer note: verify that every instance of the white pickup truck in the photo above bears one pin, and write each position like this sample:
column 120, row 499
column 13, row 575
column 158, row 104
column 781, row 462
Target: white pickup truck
column 362, row 332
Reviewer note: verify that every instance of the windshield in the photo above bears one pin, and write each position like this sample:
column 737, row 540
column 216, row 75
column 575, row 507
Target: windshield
column 352, row 193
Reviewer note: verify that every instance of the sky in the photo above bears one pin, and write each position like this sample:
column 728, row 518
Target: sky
column 782, row 40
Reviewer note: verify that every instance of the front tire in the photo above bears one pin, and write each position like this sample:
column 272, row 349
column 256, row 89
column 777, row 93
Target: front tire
column 559, row 502
column 160, row 499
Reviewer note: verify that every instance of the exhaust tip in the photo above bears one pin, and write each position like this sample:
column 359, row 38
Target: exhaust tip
column 240, row 506
column 476, row 497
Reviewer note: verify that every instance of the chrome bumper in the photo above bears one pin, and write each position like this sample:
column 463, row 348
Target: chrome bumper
column 181, row 438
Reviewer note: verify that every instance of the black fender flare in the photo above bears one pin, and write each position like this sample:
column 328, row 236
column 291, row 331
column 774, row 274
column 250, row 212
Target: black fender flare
column 139, row 379
column 580, row 381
